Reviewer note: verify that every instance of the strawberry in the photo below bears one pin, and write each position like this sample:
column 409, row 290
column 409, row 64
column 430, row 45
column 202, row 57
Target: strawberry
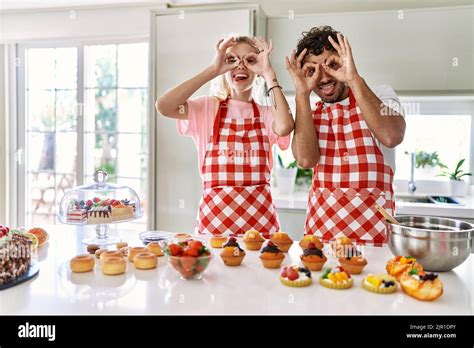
column 311, row 245
column 175, row 249
column 187, row 264
column 292, row 274
column 284, row 272
column 195, row 244
column 191, row 252
column 114, row 203
column 96, row 199
column 89, row 203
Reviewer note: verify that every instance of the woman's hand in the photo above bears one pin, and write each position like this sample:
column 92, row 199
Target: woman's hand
column 259, row 63
column 306, row 77
column 343, row 67
column 223, row 61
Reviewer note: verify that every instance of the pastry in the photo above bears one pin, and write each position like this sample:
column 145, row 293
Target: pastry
column 15, row 255
column 282, row 240
column 295, row 276
column 41, row 234
column 217, row 241
column 146, row 260
column 182, row 237
column 113, row 265
column 155, row 248
column 101, row 214
column 271, row 256
column 336, row 278
column 233, row 254
column 310, row 238
column 121, row 245
column 122, row 212
column 313, row 258
column 99, row 252
column 91, row 248
column 134, row 251
column 401, row 264
column 82, row 263
column 253, row 240
column 109, row 253
column 76, row 215
column 380, row 284
column 124, row 251
column 34, row 240
column 340, row 245
column 353, row 261
column 421, row 285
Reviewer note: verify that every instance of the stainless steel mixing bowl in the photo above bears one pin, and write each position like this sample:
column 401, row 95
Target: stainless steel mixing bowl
column 438, row 244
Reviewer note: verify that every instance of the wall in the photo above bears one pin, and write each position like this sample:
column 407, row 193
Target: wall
column 3, row 140
column 413, row 53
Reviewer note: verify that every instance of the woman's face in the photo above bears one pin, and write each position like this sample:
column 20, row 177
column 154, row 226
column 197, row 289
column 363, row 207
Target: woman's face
column 240, row 78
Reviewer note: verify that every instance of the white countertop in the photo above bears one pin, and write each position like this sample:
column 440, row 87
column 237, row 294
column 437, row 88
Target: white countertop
column 247, row 289
column 299, row 201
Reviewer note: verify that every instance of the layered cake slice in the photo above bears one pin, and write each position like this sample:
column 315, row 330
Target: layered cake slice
column 15, row 257
column 101, row 214
column 122, row 212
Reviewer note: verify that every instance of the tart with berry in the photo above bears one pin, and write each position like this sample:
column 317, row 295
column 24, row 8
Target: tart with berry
column 402, row 264
column 310, row 238
column 353, row 260
column 295, row 276
column 336, row 278
column 313, row 258
column 421, row 285
column 282, row 240
column 233, row 254
column 271, row 256
column 253, row 240
column 380, row 283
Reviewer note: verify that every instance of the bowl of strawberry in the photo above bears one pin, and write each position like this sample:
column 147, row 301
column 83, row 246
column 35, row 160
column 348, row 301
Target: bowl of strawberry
column 189, row 258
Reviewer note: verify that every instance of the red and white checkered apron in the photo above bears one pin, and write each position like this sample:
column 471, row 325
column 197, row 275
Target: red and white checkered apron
column 236, row 178
column 350, row 177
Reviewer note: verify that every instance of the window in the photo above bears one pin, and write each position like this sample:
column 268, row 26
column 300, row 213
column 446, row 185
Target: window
column 85, row 108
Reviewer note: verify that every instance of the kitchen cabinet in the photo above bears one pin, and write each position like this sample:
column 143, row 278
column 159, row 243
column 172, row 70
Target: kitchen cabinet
column 415, row 51
column 182, row 44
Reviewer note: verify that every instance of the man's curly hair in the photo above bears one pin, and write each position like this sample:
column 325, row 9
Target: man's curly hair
column 317, row 40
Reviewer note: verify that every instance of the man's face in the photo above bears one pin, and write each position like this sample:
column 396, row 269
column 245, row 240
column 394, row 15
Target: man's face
column 328, row 88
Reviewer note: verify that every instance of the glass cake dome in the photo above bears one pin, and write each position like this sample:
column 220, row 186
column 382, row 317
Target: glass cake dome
column 100, row 204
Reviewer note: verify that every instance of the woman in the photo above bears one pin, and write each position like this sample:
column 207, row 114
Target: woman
column 233, row 136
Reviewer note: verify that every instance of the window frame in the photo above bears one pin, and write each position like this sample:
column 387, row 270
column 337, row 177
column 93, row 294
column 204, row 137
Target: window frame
column 18, row 118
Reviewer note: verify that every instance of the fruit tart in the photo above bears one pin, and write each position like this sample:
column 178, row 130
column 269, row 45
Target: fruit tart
column 353, row 261
column 295, row 276
column 233, row 254
column 401, row 264
column 282, row 240
column 336, row 278
column 380, row 283
column 253, row 240
column 421, row 285
column 310, row 238
column 313, row 257
column 271, row 256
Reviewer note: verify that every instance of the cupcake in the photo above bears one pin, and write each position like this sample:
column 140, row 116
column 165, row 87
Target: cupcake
column 295, row 276
column 218, row 240
column 282, row 240
column 253, row 240
column 380, row 284
column 311, row 238
column 233, row 254
column 313, row 258
column 271, row 256
column 353, row 261
column 336, row 278
column 340, row 245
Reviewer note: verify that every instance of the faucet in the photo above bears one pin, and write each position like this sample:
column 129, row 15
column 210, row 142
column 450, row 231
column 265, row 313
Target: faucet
column 411, row 183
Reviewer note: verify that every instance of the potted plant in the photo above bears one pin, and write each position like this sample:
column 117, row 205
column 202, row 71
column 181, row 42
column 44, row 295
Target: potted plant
column 457, row 185
column 286, row 177
column 426, row 163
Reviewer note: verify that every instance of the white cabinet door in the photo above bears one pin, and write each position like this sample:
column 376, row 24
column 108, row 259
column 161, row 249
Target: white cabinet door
column 184, row 42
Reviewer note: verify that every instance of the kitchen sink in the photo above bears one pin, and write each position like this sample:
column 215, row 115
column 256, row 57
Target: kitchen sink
column 426, row 199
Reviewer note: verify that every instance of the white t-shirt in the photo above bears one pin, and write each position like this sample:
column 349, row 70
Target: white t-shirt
column 388, row 96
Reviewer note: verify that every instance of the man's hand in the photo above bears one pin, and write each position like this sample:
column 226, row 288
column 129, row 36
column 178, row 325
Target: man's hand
column 341, row 68
column 306, row 77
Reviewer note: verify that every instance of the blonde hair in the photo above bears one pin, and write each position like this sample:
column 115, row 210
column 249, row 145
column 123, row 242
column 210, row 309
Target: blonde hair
column 221, row 89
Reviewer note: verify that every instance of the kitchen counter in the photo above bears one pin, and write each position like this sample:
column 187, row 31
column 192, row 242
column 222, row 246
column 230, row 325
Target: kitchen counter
column 247, row 289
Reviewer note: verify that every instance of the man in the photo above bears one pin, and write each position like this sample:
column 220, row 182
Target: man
column 342, row 139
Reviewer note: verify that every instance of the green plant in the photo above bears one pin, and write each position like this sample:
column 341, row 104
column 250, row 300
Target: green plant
column 302, row 173
column 427, row 159
column 457, row 174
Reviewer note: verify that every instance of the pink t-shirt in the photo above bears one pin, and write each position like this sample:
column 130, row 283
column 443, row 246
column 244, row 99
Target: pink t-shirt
column 202, row 112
